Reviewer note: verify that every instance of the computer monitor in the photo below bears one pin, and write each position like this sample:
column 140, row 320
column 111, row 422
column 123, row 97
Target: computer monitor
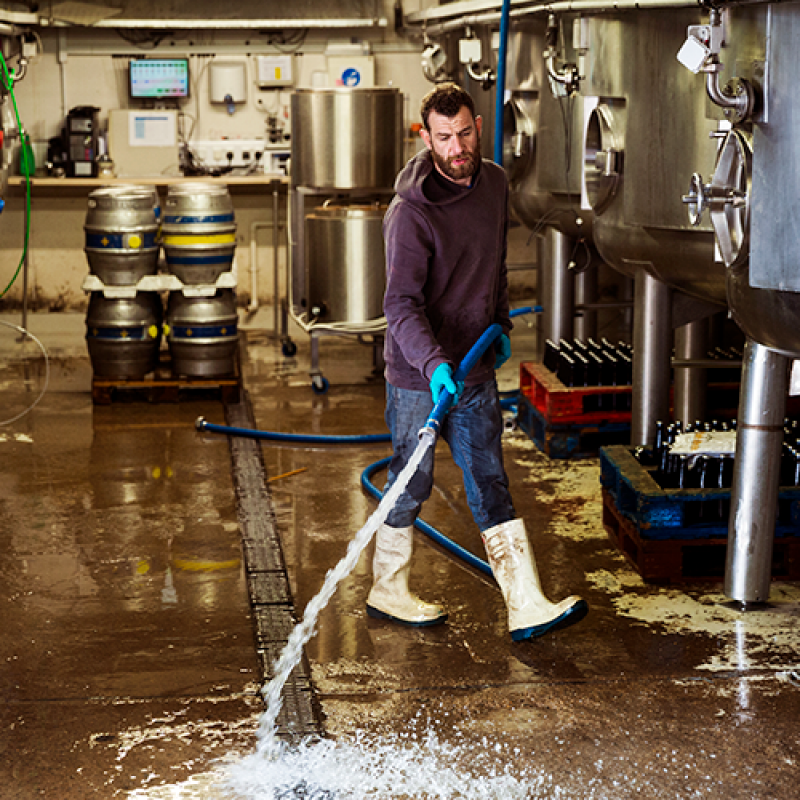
column 159, row 78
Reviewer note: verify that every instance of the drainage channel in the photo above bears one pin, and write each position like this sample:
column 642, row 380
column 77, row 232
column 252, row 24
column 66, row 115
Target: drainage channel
column 267, row 579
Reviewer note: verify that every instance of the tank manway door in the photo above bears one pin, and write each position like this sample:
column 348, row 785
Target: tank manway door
column 727, row 198
column 602, row 158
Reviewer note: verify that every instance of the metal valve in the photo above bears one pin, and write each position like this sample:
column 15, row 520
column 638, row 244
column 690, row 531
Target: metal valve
column 697, row 198
column 727, row 198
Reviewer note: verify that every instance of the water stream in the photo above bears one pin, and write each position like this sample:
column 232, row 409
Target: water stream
column 269, row 746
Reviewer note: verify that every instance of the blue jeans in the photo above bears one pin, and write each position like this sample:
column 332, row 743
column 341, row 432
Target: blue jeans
column 472, row 430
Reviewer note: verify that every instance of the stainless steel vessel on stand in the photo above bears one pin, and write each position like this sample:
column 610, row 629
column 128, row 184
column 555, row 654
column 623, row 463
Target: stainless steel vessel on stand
column 343, row 169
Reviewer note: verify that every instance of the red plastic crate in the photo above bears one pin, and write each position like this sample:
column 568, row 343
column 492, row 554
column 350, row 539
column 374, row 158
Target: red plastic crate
column 571, row 404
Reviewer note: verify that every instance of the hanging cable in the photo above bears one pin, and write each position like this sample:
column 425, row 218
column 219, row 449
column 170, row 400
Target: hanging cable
column 8, row 80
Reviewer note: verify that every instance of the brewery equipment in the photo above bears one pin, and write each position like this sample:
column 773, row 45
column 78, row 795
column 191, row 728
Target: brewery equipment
column 81, row 141
column 751, row 191
column 343, row 169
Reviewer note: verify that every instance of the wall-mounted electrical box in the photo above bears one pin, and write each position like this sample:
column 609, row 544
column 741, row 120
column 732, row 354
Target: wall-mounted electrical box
column 274, row 71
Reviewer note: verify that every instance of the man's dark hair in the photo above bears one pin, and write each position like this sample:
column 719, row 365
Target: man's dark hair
column 446, row 99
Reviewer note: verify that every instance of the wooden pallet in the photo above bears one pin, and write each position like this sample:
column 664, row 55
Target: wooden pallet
column 568, row 440
column 682, row 560
column 162, row 386
column 579, row 405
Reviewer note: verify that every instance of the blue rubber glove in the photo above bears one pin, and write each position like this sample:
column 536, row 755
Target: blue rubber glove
column 502, row 346
column 442, row 378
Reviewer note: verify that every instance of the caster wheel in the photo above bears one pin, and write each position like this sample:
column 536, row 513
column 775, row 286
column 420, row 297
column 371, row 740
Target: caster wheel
column 289, row 348
column 319, row 384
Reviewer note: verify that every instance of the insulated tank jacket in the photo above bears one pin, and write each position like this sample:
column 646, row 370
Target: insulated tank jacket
column 446, row 278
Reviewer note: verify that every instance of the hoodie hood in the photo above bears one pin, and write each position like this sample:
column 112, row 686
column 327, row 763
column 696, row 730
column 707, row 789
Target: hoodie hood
column 409, row 183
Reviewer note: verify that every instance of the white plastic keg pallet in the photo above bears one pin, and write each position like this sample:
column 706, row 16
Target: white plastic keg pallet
column 160, row 283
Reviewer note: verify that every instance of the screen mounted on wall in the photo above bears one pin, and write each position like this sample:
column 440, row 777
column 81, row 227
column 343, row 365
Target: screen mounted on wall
column 159, row 78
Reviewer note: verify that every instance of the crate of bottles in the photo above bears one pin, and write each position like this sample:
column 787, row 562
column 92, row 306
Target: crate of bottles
column 685, row 492
column 580, row 382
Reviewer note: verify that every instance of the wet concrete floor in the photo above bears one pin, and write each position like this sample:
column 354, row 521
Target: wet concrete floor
column 128, row 661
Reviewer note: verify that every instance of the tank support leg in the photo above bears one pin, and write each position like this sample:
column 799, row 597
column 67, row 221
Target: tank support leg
column 756, row 474
column 652, row 349
column 556, row 290
column 691, row 343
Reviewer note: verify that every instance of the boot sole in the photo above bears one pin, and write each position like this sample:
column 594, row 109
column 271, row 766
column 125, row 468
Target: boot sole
column 376, row 614
column 572, row 615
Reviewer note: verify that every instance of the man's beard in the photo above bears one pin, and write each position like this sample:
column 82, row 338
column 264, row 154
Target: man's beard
column 465, row 170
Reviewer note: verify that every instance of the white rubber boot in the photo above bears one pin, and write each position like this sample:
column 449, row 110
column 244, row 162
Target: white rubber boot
column 389, row 597
column 530, row 613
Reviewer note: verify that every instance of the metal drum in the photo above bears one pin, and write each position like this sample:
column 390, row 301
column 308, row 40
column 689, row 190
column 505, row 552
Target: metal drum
column 198, row 232
column 351, row 138
column 124, row 334
column 202, row 333
column 346, row 263
column 122, row 234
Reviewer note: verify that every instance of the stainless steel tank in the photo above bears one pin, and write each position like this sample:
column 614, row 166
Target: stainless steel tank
column 346, row 263
column 202, row 334
column 346, row 138
column 198, row 232
column 121, row 234
column 124, row 334
column 751, row 198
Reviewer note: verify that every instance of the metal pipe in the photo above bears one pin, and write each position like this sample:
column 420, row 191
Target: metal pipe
column 652, row 346
column 460, row 15
column 691, row 342
column 585, row 303
column 557, row 288
column 756, row 474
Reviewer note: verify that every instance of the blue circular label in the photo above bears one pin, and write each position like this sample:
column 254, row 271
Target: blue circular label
column 351, row 77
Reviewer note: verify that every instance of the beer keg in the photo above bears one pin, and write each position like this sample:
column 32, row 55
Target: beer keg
column 123, row 334
column 121, row 234
column 198, row 232
column 202, row 333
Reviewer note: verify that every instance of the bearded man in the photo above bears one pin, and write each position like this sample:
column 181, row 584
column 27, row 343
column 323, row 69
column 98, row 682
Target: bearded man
column 445, row 235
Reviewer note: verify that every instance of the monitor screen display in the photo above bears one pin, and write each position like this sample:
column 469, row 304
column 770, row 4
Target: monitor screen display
column 156, row 78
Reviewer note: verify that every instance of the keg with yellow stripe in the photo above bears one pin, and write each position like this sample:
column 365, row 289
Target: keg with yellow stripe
column 198, row 232
column 121, row 234
column 124, row 334
column 202, row 334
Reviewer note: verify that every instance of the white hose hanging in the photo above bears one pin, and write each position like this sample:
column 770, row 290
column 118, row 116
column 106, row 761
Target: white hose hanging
column 33, row 405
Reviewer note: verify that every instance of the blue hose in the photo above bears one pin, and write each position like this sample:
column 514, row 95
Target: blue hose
column 431, row 532
column 299, row 438
column 500, row 90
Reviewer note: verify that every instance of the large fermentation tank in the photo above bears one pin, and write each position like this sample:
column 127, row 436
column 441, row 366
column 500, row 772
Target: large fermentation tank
column 752, row 201
column 542, row 155
column 346, row 262
column 641, row 146
column 347, row 138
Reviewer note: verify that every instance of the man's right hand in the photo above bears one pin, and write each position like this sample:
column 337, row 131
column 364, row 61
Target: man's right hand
column 442, row 378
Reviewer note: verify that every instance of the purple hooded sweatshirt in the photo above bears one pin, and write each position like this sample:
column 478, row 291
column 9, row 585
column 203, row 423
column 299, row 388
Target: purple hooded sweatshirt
column 446, row 279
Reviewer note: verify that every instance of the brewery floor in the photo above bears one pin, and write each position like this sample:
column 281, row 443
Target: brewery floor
column 128, row 662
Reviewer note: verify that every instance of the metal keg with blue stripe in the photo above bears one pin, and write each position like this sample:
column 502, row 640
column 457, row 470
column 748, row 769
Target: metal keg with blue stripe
column 124, row 334
column 198, row 232
column 121, row 233
column 202, row 333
